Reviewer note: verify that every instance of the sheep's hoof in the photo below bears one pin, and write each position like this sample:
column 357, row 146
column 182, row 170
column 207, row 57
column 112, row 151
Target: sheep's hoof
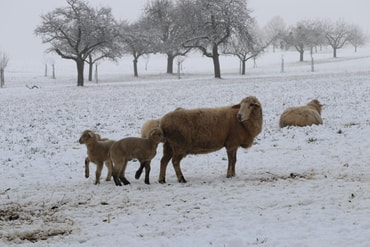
column 108, row 179
column 182, row 180
column 138, row 174
column 146, row 181
column 117, row 182
column 162, row 181
column 124, row 180
column 97, row 182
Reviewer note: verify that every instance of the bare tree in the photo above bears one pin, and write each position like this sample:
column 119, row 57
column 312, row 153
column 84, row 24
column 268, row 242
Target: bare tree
column 4, row 59
column 275, row 30
column 136, row 41
column 247, row 44
column 210, row 23
column 162, row 21
column 337, row 35
column 76, row 31
column 356, row 37
column 305, row 34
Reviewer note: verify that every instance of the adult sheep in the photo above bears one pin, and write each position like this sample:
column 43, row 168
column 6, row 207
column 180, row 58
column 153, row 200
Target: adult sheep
column 205, row 130
column 302, row 115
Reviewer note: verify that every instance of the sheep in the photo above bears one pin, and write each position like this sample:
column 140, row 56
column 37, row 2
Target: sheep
column 302, row 115
column 205, row 130
column 126, row 149
column 151, row 124
column 148, row 126
column 97, row 152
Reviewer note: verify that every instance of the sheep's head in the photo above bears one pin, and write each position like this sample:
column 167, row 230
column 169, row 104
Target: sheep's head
column 156, row 135
column 249, row 109
column 316, row 105
column 87, row 136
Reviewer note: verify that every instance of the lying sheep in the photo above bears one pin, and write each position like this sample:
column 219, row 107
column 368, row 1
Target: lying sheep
column 206, row 130
column 302, row 116
column 142, row 149
column 97, row 152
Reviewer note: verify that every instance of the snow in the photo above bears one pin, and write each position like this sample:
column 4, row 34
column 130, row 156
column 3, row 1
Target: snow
column 294, row 187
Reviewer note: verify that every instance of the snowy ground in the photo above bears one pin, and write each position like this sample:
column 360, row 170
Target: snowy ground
column 295, row 187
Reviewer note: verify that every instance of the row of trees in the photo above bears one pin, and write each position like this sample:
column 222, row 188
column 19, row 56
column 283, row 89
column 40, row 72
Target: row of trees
column 213, row 27
column 85, row 34
column 311, row 34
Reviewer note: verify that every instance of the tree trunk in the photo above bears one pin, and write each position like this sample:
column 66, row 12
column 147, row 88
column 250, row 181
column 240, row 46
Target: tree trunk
column 301, row 52
column 90, row 71
column 2, row 79
column 334, row 52
column 90, row 68
column 243, row 66
column 80, row 72
column 216, row 62
column 46, row 70
column 136, row 74
column 170, row 59
column 53, row 72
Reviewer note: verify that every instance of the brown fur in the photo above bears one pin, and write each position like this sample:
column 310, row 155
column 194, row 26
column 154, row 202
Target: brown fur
column 97, row 152
column 302, row 116
column 143, row 149
column 206, row 130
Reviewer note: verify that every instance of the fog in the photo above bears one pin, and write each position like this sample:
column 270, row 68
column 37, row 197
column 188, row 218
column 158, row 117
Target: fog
column 18, row 18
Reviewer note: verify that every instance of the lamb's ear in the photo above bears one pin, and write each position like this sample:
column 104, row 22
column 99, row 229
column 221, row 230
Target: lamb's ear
column 236, row 106
column 90, row 134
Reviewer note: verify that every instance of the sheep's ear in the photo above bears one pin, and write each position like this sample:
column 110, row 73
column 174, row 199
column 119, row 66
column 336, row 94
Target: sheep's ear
column 236, row 106
column 90, row 134
column 257, row 104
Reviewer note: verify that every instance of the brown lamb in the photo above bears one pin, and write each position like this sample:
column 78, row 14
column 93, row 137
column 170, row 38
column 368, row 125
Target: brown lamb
column 142, row 149
column 98, row 153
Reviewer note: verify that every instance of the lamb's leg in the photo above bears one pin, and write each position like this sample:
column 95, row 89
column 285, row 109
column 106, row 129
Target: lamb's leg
column 87, row 167
column 231, row 155
column 116, row 171
column 147, row 172
column 99, row 168
column 167, row 156
column 122, row 173
column 140, row 170
column 176, row 165
column 109, row 166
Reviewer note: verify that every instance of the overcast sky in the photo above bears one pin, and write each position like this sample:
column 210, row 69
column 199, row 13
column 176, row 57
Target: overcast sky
column 19, row 18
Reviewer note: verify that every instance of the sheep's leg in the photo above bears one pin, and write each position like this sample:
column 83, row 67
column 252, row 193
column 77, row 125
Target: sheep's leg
column 140, row 170
column 147, row 172
column 122, row 173
column 87, row 167
column 176, row 165
column 116, row 171
column 231, row 155
column 109, row 166
column 99, row 168
column 167, row 156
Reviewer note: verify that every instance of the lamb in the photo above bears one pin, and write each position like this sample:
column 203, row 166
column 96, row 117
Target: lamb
column 205, row 130
column 302, row 115
column 126, row 149
column 97, row 152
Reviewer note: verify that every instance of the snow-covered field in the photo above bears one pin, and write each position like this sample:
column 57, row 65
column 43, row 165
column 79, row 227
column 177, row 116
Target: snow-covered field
column 295, row 187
